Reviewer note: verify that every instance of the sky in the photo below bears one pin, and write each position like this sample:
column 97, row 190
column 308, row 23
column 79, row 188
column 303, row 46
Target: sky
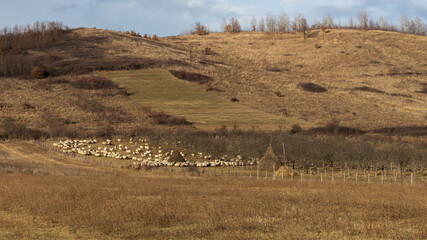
column 172, row 17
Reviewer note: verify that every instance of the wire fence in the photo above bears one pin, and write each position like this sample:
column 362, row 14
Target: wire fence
column 392, row 175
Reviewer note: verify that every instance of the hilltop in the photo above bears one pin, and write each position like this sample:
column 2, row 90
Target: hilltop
column 368, row 79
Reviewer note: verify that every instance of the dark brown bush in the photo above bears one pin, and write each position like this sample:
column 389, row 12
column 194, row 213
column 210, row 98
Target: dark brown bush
column 311, row 87
column 39, row 73
column 162, row 118
column 192, row 77
column 368, row 89
column 213, row 89
column 93, row 83
column 234, row 99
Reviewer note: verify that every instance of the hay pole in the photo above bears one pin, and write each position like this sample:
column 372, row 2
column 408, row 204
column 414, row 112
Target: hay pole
column 292, row 176
column 257, row 174
column 369, row 178
column 301, row 175
column 344, row 177
column 282, row 175
column 266, row 174
column 382, row 177
column 332, row 175
column 321, row 177
column 412, row 179
column 357, row 177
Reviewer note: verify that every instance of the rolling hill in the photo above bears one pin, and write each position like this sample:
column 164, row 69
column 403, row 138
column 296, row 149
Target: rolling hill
column 371, row 79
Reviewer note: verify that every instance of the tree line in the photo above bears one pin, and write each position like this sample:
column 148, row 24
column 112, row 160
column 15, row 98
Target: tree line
column 283, row 23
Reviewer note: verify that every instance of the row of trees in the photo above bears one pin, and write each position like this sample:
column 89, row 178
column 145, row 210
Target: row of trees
column 21, row 37
column 283, row 23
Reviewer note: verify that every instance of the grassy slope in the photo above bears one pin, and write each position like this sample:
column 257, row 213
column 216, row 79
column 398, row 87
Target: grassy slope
column 159, row 89
column 78, row 200
column 253, row 66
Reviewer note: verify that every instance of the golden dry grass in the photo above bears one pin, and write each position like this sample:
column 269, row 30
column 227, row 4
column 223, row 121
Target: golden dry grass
column 253, row 66
column 257, row 68
column 124, row 204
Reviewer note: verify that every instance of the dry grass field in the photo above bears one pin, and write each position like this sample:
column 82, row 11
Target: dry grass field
column 255, row 66
column 256, row 81
column 46, row 196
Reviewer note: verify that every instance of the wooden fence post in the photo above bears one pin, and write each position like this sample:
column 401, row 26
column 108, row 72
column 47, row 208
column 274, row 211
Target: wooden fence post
column 301, row 176
column 321, row 177
column 357, row 177
column 282, row 175
column 257, row 173
column 369, row 178
column 382, row 177
column 412, row 179
column 344, row 177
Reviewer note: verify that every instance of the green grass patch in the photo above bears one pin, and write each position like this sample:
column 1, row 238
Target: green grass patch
column 163, row 92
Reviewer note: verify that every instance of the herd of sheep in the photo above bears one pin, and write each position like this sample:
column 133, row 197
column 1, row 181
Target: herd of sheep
column 144, row 154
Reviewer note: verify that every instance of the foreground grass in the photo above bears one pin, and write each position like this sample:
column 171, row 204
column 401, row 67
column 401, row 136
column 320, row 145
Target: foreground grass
column 69, row 203
column 159, row 89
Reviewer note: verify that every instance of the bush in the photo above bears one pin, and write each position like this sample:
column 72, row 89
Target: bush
column 39, row 73
column 234, row 99
column 27, row 105
column 368, row 89
column 162, row 118
column 295, row 129
column 311, row 87
column 93, row 83
column 155, row 38
column 192, row 77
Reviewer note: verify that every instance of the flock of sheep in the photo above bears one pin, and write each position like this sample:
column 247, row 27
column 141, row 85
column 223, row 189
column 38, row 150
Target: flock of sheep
column 144, row 154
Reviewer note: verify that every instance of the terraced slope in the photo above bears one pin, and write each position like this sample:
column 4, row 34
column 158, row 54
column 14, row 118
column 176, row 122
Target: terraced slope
column 160, row 90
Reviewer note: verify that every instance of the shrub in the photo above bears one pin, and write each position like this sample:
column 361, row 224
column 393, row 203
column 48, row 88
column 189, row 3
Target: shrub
column 368, row 89
column 192, row 77
column 200, row 29
column 279, row 94
column 155, row 38
column 93, row 83
column 234, row 99
column 39, row 73
column 296, row 128
column 311, row 87
column 27, row 105
column 213, row 89
column 162, row 118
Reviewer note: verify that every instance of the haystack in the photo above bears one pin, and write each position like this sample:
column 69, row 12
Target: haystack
column 176, row 157
column 287, row 171
column 270, row 161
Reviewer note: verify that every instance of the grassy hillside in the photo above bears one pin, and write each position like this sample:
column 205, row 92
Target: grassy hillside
column 373, row 79
column 159, row 89
column 257, row 67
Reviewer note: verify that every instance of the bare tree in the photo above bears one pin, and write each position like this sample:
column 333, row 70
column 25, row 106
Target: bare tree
column 271, row 23
column 300, row 24
column 363, row 19
column 253, row 24
column 199, row 29
column 284, row 22
column 351, row 22
column 261, row 26
column 235, row 25
column 328, row 21
column 420, row 27
column 382, row 24
column 404, row 23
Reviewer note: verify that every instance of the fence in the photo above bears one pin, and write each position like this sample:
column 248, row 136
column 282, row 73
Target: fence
column 323, row 175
